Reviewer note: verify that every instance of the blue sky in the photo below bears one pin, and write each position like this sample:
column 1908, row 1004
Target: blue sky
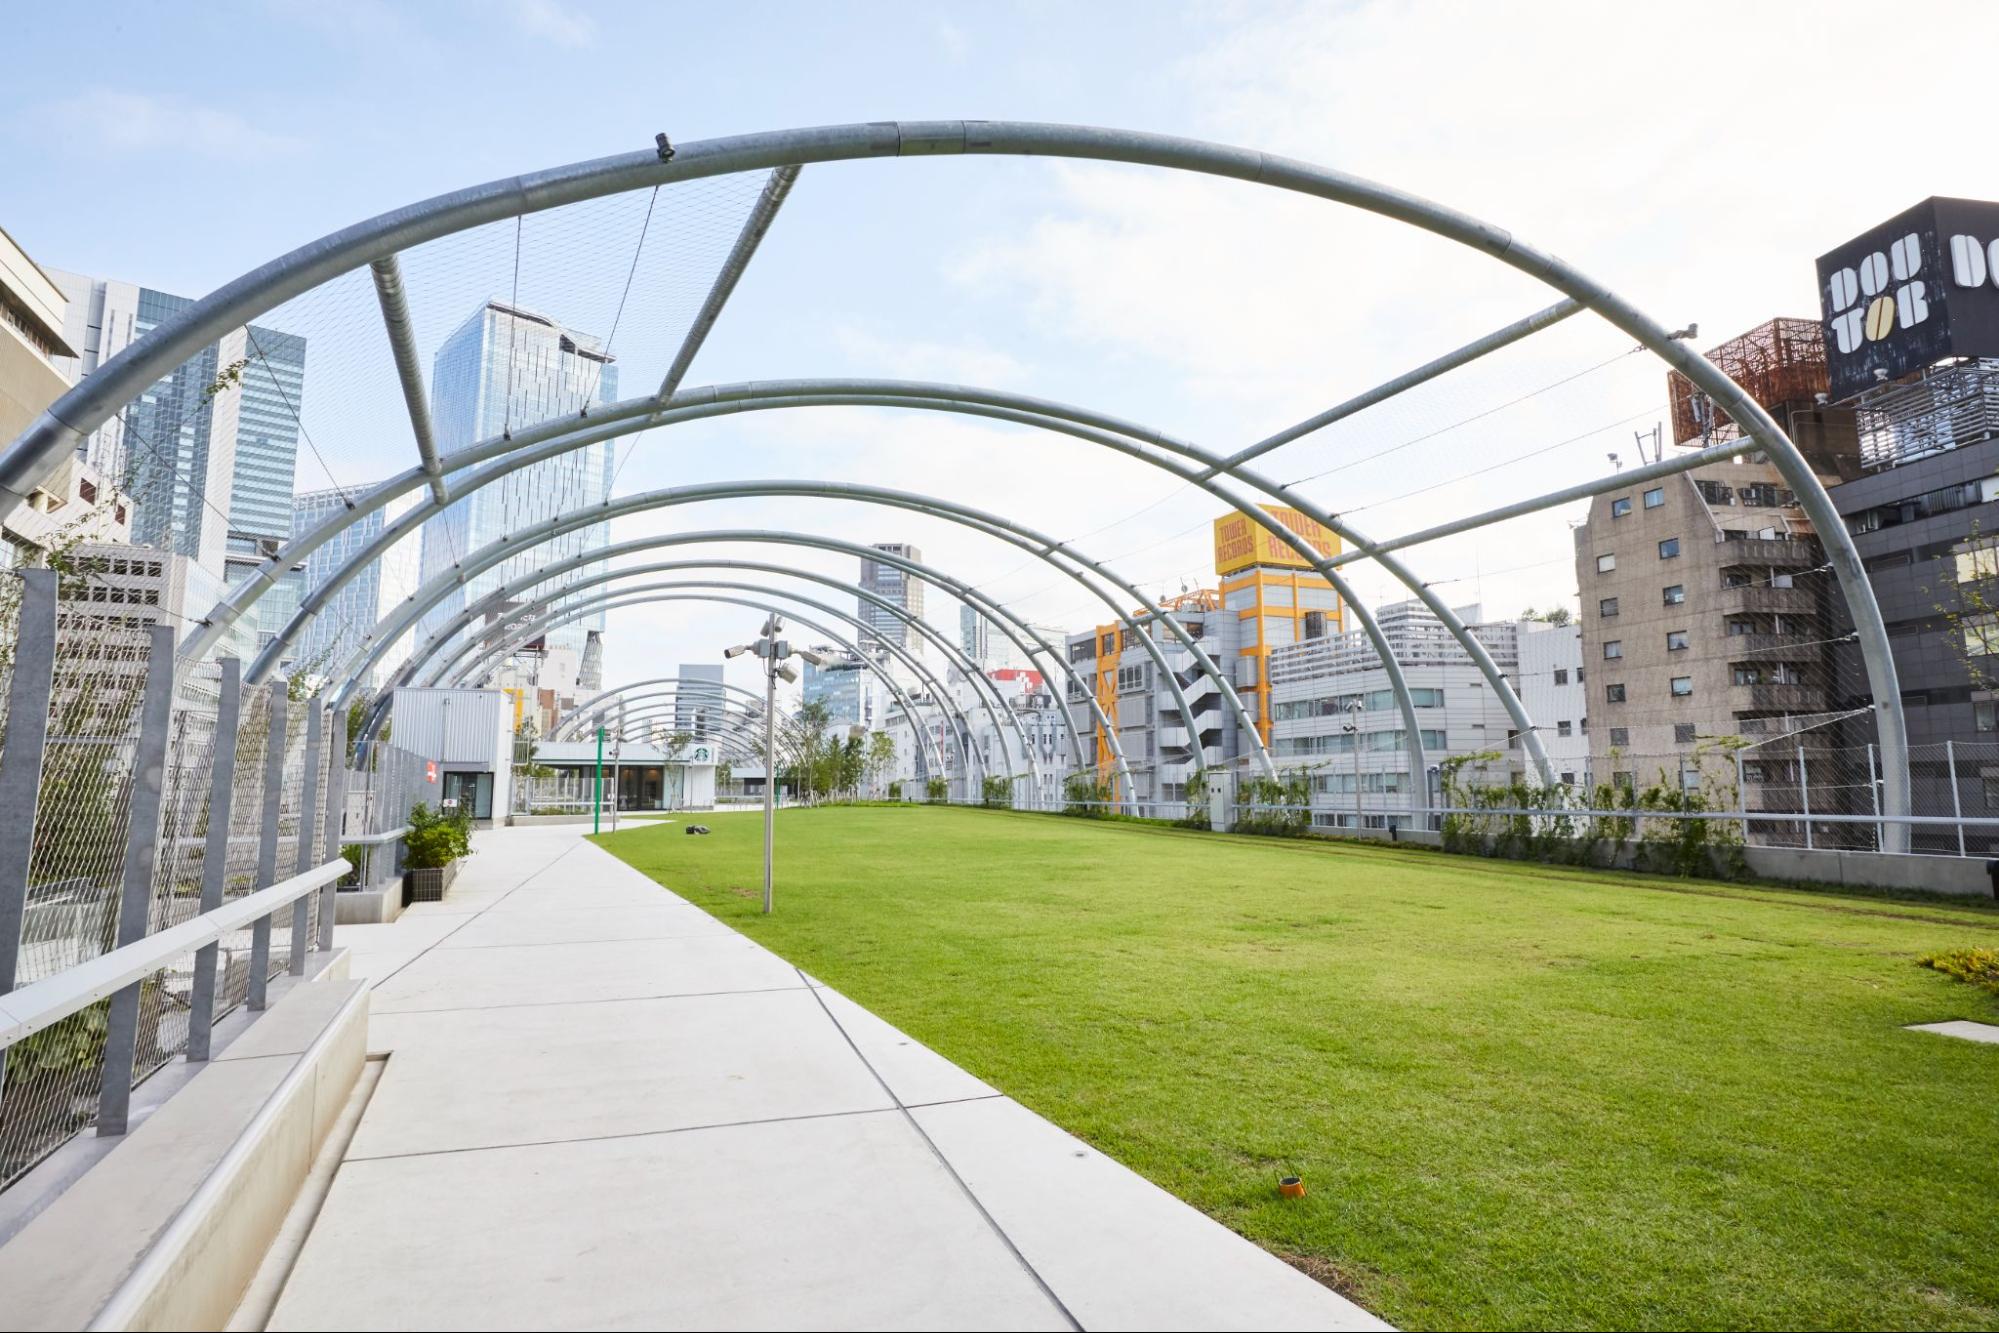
column 177, row 146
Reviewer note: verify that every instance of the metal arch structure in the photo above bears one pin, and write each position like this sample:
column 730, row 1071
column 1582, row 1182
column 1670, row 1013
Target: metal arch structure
column 987, row 697
column 1019, row 631
column 559, row 617
column 441, row 639
column 655, row 712
column 446, row 668
column 577, row 712
column 1097, row 428
column 1041, row 547
column 68, row 422
column 640, row 597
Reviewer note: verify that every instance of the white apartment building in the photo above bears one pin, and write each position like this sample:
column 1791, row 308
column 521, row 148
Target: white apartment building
column 1552, row 690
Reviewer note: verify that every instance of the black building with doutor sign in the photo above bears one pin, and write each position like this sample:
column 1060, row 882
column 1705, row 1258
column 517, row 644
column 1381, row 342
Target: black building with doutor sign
column 1911, row 311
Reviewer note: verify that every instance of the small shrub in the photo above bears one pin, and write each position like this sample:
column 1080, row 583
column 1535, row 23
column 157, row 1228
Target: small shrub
column 996, row 793
column 436, row 840
column 1197, row 802
column 936, row 790
column 350, row 852
column 1086, row 796
column 1976, row 967
column 895, row 790
column 1277, row 807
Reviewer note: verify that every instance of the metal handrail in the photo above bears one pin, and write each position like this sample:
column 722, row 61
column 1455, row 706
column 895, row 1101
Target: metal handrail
column 42, row 1003
column 375, row 839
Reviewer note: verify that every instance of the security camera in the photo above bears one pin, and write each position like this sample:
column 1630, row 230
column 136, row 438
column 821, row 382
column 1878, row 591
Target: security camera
column 736, row 651
column 816, row 659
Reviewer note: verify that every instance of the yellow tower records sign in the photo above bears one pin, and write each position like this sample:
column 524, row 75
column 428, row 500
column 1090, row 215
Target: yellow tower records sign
column 1241, row 542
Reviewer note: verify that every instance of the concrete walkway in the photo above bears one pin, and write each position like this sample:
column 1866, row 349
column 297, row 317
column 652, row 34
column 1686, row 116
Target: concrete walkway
column 602, row 1108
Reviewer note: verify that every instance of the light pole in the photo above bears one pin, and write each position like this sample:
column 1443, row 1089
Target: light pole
column 774, row 652
column 1354, row 708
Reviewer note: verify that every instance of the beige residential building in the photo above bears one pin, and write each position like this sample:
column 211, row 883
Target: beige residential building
column 75, row 502
column 1709, row 620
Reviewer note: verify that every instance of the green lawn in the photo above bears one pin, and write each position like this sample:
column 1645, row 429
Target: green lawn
column 1520, row 1097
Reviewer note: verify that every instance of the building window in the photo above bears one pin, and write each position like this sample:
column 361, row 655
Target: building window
column 1613, row 694
column 1683, row 686
column 1669, row 549
column 1561, row 675
column 1606, row 563
column 1683, row 733
column 1607, row 608
column 1676, row 640
column 1613, row 648
column 1985, row 714
column 1620, row 736
column 1992, row 793
column 1655, row 497
column 1620, row 506
column 1675, row 594
column 1981, row 635
column 1978, row 559
column 1562, row 728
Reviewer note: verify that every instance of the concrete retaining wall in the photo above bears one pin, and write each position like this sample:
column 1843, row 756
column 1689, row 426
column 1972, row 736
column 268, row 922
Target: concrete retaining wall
column 1955, row 876
column 166, row 1231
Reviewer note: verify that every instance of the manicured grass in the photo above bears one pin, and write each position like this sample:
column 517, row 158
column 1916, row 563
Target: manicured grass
column 1520, row 1097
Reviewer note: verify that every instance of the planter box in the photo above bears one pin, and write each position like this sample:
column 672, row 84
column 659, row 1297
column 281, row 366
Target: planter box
column 428, row 885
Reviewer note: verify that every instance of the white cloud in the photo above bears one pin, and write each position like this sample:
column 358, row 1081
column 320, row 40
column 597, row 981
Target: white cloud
column 1625, row 143
column 104, row 120
column 554, row 22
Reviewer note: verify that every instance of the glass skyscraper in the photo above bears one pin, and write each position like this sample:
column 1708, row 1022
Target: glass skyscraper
column 503, row 369
column 364, row 599
column 208, row 452
column 891, row 584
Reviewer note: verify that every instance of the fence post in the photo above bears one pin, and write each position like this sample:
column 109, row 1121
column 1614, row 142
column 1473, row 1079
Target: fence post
column 1741, row 798
column 135, row 897
column 215, row 854
column 267, row 845
column 1874, row 794
column 1805, row 797
column 336, row 819
column 21, row 762
column 1956, row 806
column 308, row 834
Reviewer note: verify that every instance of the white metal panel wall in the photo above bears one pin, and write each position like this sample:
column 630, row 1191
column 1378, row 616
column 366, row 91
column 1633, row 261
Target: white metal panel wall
column 462, row 728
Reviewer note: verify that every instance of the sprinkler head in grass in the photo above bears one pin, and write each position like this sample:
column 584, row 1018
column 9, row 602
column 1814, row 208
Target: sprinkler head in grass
column 1291, row 1187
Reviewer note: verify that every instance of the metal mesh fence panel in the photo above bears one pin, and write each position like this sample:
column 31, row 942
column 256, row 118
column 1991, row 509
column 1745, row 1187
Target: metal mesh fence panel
column 75, row 874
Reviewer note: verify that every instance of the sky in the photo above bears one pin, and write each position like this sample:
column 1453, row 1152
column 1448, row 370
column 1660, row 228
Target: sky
column 1694, row 157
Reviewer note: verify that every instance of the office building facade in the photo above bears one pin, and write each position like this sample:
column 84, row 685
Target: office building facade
column 505, row 368
column 377, row 588
column 892, row 584
column 1336, row 717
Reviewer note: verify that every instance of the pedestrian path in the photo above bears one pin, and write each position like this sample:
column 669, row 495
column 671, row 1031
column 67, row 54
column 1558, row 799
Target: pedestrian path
column 602, row 1108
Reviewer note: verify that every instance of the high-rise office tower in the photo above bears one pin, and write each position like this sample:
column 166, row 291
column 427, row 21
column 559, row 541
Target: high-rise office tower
column 209, row 453
column 363, row 600
column 892, row 584
column 974, row 633
column 503, row 369
column 699, row 700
